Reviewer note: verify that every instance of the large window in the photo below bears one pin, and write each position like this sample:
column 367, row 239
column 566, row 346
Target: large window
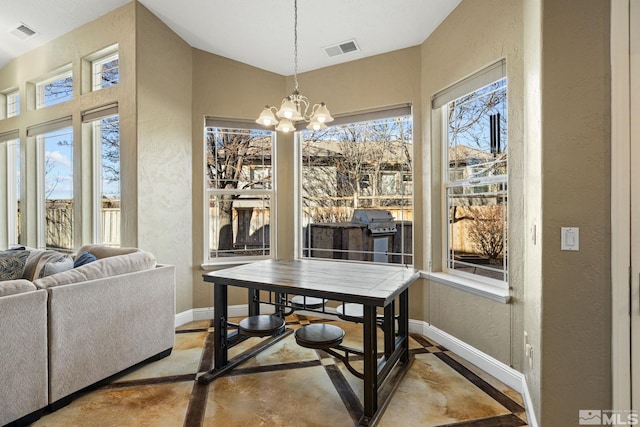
column 475, row 181
column 106, row 137
column 357, row 192
column 54, row 90
column 55, row 152
column 11, row 147
column 239, row 185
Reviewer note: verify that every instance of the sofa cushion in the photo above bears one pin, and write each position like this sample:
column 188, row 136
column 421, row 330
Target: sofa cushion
column 12, row 264
column 83, row 258
column 18, row 286
column 101, row 251
column 105, row 267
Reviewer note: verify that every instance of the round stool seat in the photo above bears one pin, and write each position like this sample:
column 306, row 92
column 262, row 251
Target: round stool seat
column 350, row 310
column 301, row 302
column 353, row 312
column 319, row 335
column 261, row 325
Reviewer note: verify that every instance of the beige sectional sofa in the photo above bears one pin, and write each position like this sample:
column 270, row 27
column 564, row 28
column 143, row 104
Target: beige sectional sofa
column 23, row 350
column 84, row 324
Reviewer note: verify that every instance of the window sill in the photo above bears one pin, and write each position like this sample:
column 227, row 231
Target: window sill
column 477, row 288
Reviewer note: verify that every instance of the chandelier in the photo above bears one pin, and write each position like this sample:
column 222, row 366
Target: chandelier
column 295, row 107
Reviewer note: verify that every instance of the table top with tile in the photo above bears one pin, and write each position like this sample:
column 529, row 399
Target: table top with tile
column 364, row 283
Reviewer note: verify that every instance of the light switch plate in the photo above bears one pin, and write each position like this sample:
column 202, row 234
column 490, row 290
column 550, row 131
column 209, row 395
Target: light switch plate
column 570, row 238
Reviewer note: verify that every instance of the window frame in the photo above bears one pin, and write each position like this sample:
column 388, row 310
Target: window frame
column 486, row 286
column 96, row 143
column 269, row 192
column 40, row 140
column 13, row 103
column 11, row 147
column 357, row 118
column 41, row 85
column 97, row 72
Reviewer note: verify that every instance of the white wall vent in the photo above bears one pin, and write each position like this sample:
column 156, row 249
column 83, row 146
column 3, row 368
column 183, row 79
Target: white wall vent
column 342, row 48
column 23, row 32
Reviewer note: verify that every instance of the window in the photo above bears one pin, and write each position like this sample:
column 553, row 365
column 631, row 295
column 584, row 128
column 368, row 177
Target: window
column 105, row 71
column 475, row 181
column 106, row 137
column 55, row 188
column 10, row 144
column 239, row 188
column 359, row 168
column 54, row 90
column 13, row 104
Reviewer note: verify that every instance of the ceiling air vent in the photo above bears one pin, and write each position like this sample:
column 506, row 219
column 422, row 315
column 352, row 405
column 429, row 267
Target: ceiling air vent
column 342, row 48
column 23, row 32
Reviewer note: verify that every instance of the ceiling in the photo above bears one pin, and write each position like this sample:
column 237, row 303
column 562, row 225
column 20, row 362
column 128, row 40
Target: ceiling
column 256, row 32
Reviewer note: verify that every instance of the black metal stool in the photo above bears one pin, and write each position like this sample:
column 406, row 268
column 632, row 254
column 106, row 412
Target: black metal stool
column 352, row 312
column 301, row 302
column 328, row 338
column 261, row 326
column 320, row 336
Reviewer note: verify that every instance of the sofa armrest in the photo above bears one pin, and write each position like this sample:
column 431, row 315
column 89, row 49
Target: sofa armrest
column 103, row 326
column 23, row 354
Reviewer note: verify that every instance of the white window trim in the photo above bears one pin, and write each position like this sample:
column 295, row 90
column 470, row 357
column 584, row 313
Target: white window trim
column 94, row 118
column 41, row 240
column 483, row 289
column 213, row 263
column 15, row 96
column 96, row 65
column 40, row 96
column 12, row 195
column 41, row 223
column 493, row 289
column 357, row 117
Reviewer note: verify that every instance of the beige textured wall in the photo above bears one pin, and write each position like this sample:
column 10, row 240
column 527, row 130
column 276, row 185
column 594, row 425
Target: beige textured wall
column 223, row 88
column 468, row 40
column 164, row 149
column 576, row 302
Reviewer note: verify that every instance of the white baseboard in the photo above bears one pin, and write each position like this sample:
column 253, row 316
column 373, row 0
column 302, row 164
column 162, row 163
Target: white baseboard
column 514, row 379
column 528, row 404
column 206, row 313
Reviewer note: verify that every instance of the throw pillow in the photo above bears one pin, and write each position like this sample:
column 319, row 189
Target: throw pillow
column 52, row 262
column 12, row 264
column 84, row 258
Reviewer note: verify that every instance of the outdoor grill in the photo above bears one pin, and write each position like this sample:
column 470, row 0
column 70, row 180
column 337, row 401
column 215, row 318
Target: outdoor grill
column 381, row 225
column 378, row 221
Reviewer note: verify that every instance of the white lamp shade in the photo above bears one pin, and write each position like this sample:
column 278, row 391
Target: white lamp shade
column 285, row 125
column 322, row 114
column 316, row 125
column 288, row 110
column 267, row 118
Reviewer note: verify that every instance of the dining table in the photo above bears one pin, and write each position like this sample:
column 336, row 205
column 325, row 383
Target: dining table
column 376, row 287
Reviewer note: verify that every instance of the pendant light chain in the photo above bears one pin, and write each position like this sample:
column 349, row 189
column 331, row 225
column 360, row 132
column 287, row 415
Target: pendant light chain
column 295, row 44
column 295, row 107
